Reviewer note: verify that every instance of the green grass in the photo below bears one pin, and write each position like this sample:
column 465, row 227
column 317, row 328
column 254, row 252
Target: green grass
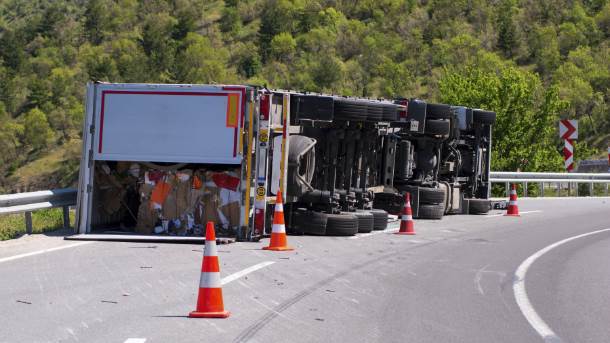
column 56, row 168
column 13, row 225
column 550, row 190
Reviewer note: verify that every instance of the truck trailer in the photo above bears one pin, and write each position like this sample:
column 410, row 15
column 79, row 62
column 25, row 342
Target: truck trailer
column 162, row 159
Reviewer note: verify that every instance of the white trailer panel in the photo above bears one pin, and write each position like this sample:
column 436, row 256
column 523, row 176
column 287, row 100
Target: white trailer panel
column 168, row 123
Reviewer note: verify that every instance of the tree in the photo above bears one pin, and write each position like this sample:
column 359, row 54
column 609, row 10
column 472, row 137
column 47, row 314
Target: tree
column 283, row 47
column 96, row 20
column 570, row 38
column 11, row 50
column 200, row 62
column 37, row 132
column 527, row 114
column 248, row 60
column 159, row 45
column 230, row 20
column 545, row 49
column 507, row 31
column 277, row 16
column 328, row 72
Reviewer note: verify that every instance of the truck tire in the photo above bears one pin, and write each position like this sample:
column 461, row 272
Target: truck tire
column 438, row 111
column 366, row 221
column 478, row 206
column 380, row 219
column 392, row 203
column 427, row 195
column 308, row 222
column 483, row 117
column 390, row 112
column 351, row 110
column 374, row 112
column 437, row 127
column 344, row 224
column 427, row 211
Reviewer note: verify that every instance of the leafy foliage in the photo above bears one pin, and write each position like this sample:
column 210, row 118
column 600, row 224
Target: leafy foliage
column 531, row 61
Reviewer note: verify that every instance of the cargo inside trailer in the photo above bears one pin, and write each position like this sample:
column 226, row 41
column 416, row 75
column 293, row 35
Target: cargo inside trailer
column 164, row 198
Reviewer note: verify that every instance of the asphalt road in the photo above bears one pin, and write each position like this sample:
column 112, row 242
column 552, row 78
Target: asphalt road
column 452, row 282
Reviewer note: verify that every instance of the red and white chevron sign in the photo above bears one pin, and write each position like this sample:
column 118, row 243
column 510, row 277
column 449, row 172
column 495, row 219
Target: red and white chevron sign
column 568, row 154
column 568, row 129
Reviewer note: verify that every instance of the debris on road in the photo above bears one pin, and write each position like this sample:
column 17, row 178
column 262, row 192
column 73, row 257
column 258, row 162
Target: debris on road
column 24, row 302
column 109, row 301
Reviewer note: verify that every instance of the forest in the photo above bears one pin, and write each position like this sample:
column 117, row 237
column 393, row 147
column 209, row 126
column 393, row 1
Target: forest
column 532, row 61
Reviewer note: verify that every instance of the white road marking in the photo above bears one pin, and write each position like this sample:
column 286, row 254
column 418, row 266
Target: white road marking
column 502, row 214
column 521, row 295
column 363, row 235
column 477, row 279
column 16, row 257
column 244, row 272
column 224, row 281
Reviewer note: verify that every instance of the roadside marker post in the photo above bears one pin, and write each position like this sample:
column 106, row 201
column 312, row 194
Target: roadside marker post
column 568, row 131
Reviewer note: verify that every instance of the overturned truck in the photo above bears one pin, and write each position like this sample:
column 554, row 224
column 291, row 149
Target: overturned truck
column 165, row 159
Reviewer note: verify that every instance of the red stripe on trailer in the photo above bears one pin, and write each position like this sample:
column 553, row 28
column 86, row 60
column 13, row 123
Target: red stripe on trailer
column 99, row 150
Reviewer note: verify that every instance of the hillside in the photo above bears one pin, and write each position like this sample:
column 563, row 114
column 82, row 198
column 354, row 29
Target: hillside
column 532, row 61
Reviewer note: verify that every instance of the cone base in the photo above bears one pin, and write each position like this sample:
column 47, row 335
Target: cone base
column 404, row 233
column 512, row 215
column 286, row 248
column 196, row 314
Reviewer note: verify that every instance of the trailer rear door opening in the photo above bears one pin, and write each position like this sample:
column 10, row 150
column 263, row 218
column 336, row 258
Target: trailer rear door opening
column 190, row 134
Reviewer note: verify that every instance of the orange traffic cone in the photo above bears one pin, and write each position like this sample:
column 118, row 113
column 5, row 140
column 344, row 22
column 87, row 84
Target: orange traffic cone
column 209, row 301
column 278, row 232
column 513, row 209
column 406, row 220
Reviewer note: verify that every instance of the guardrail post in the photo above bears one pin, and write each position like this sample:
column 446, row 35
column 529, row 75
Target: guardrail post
column 525, row 189
column 558, row 189
column 576, row 189
column 507, row 187
column 541, row 194
column 28, row 223
column 66, row 217
column 606, row 189
column 591, row 189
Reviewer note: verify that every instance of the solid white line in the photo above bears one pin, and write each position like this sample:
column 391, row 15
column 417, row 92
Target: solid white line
column 521, row 295
column 363, row 235
column 16, row 257
column 502, row 214
column 245, row 272
column 135, row 340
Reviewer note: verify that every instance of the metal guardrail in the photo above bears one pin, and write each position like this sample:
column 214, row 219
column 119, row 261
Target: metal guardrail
column 553, row 178
column 32, row 201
